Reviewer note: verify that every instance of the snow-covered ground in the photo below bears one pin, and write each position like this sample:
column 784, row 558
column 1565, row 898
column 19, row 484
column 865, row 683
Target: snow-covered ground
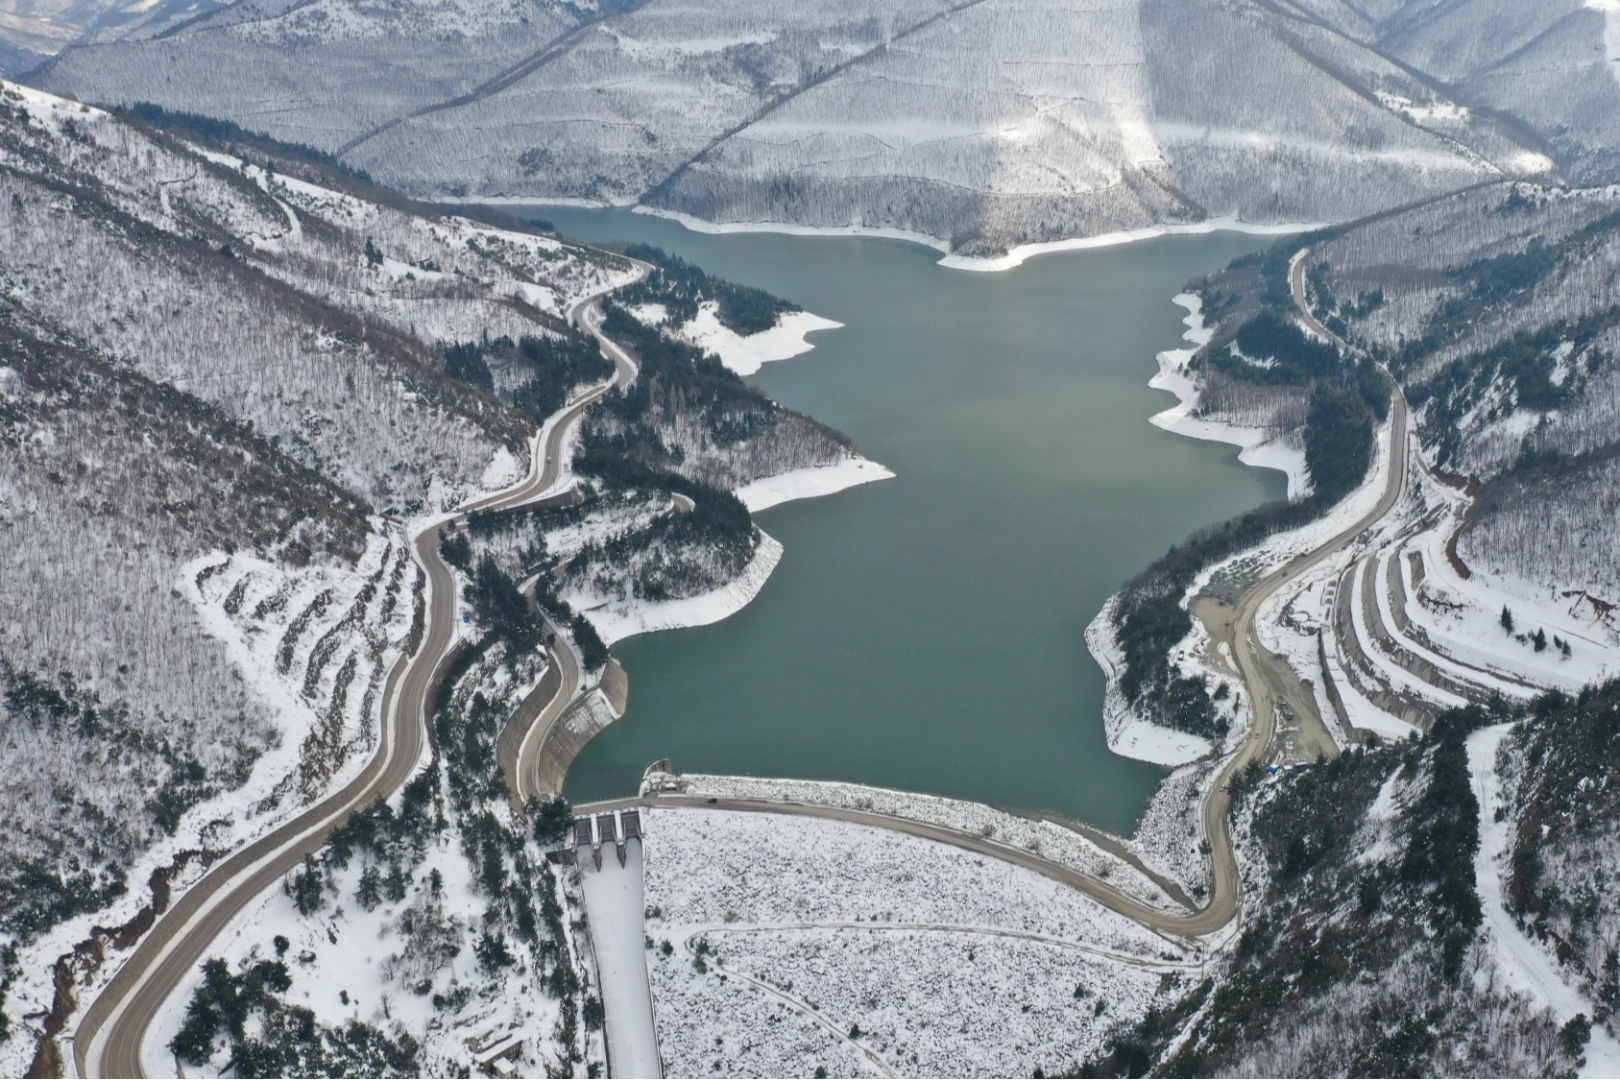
column 797, row 942
column 746, row 355
column 1530, row 970
column 1260, row 448
column 1170, row 837
column 811, row 483
column 1464, row 616
column 350, row 963
column 1052, row 841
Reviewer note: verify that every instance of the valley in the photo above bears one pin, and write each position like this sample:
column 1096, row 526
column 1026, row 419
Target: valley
column 1100, row 517
column 1029, row 480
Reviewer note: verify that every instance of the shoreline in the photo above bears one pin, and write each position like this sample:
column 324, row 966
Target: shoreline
column 812, row 482
column 990, row 264
column 1256, row 448
column 1014, row 257
column 1129, row 735
column 616, row 622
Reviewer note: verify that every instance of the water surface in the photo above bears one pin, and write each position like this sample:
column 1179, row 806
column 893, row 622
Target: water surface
column 926, row 632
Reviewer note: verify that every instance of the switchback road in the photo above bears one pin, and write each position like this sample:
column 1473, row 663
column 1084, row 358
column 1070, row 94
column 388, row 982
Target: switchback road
column 109, row 1038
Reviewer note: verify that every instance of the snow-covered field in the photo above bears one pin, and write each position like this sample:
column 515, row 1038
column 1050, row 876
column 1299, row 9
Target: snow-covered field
column 797, row 943
column 1052, row 841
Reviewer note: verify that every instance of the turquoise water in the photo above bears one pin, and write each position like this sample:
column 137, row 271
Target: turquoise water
column 926, row 632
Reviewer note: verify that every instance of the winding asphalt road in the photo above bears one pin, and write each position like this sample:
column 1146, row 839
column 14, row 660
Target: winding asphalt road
column 109, row 1038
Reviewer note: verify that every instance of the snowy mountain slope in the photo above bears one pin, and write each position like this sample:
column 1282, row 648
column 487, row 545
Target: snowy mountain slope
column 1558, row 779
column 222, row 384
column 1363, row 952
column 253, row 297
column 32, row 31
column 1545, row 68
column 15, row 59
column 113, row 482
column 1498, row 310
column 627, row 104
column 321, row 72
column 1550, row 65
column 1057, row 120
column 212, row 379
column 430, row 928
column 986, row 124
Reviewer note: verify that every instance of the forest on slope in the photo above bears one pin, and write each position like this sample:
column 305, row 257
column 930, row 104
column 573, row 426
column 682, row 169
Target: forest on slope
column 232, row 370
column 983, row 124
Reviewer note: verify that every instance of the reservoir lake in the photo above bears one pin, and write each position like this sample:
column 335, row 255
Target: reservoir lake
column 925, row 632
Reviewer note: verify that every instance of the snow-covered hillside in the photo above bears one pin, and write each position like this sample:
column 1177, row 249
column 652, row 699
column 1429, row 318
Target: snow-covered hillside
column 1497, row 309
column 225, row 387
column 981, row 125
column 215, row 380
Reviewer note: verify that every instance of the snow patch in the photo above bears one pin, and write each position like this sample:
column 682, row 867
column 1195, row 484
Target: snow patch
column 618, row 620
column 746, row 355
column 504, row 470
column 810, row 483
column 1259, row 448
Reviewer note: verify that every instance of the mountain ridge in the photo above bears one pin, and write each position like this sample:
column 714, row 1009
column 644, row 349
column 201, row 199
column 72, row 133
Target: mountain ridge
column 986, row 125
